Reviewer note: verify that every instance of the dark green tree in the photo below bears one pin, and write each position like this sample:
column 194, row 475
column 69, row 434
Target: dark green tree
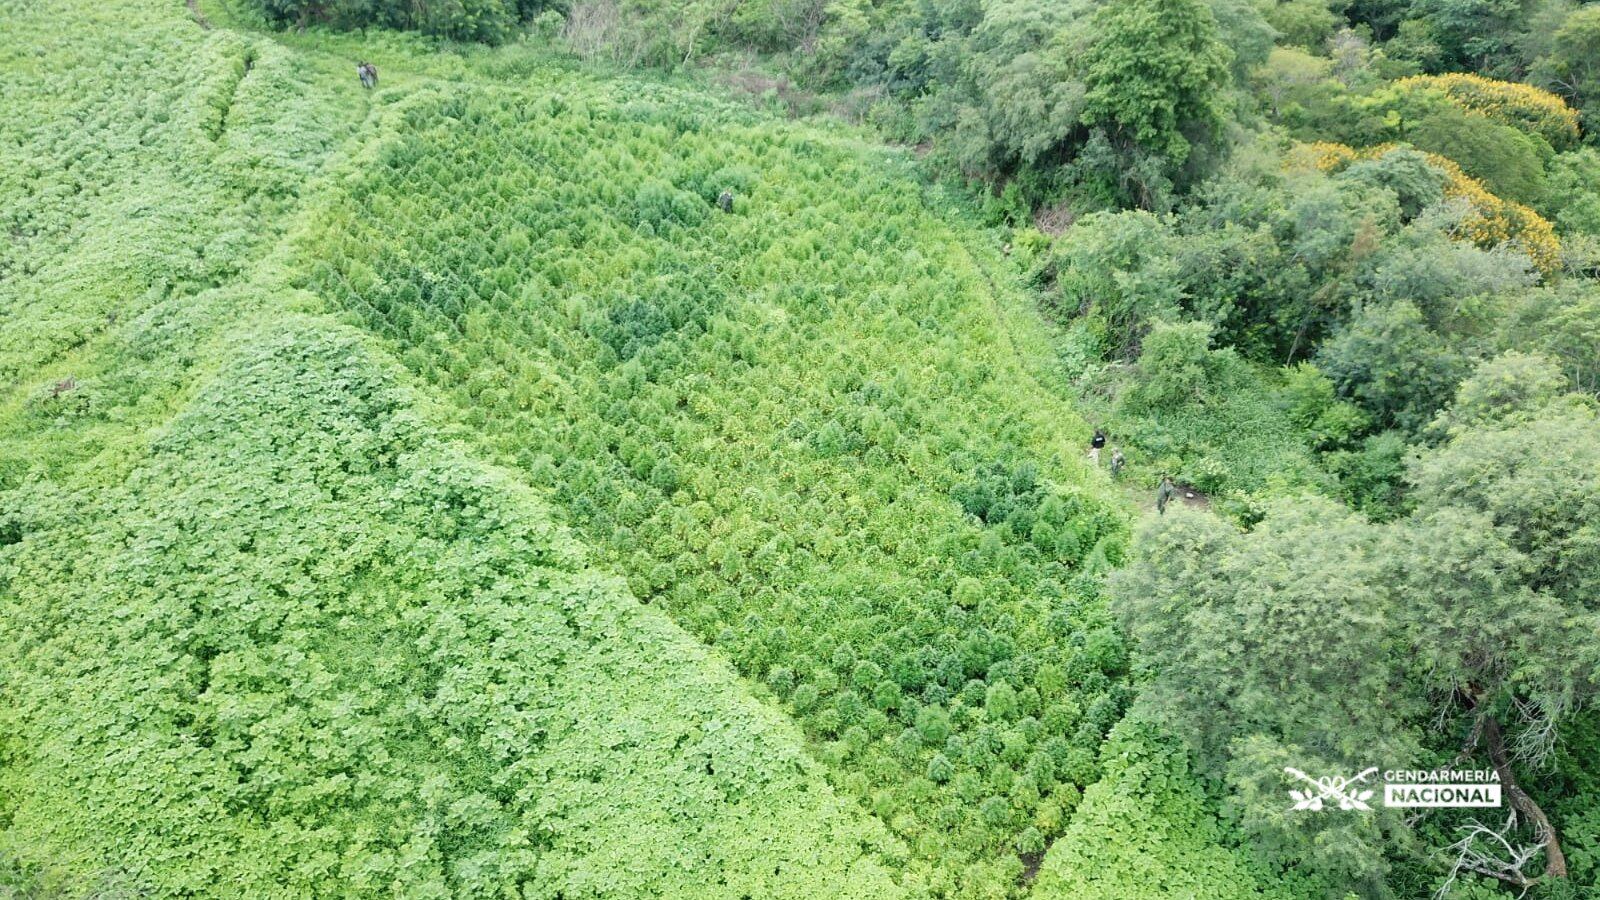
column 1497, row 570
column 1571, row 68
column 1462, row 632
column 1271, row 648
column 1157, row 78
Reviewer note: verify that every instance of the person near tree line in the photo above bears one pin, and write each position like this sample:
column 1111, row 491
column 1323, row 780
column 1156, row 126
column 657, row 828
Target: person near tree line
column 368, row 73
column 1095, row 444
column 1165, row 493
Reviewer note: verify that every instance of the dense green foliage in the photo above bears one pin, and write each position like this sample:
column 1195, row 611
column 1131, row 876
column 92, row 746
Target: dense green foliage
column 465, row 20
column 1154, row 77
column 770, row 421
column 303, row 648
column 1570, row 65
column 519, row 480
column 98, row 126
column 1148, row 831
column 1329, row 318
column 1474, row 613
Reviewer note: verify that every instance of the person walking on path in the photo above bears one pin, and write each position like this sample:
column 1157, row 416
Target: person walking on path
column 1117, row 462
column 368, row 73
column 1095, row 443
column 1164, row 493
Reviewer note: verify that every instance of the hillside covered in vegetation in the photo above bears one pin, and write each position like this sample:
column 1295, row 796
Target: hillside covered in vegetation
column 269, row 632
column 289, row 610
column 550, row 473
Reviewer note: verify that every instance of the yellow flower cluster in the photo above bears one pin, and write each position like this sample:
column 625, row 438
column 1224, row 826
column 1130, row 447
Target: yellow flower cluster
column 1493, row 220
column 1518, row 105
column 1321, row 156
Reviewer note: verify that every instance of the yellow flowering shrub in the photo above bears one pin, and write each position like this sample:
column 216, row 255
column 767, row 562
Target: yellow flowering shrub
column 1493, row 220
column 1521, row 106
column 1496, row 221
column 1322, row 156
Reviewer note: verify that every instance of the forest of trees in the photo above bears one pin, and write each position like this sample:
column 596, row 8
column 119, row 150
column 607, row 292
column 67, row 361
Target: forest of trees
column 662, row 497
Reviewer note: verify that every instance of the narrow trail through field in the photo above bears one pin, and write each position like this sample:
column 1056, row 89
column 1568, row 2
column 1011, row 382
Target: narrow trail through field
column 1140, row 499
column 199, row 17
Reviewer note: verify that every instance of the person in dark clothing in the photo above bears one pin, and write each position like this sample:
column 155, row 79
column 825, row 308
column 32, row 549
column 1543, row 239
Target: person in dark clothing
column 1095, row 444
column 1164, row 493
column 725, row 201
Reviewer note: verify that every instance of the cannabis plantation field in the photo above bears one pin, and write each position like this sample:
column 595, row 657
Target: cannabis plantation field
column 268, row 633
column 296, row 605
column 800, row 427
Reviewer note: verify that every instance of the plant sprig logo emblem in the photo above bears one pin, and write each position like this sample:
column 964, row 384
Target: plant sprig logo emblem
column 1331, row 787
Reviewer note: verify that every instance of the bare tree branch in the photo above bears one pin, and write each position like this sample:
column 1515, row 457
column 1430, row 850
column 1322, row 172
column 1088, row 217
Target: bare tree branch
column 1502, row 860
column 1556, row 860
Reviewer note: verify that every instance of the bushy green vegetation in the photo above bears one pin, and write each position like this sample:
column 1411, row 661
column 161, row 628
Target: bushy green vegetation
column 304, row 648
column 463, row 20
column 517, row 480
column 1473, row 612
column 1147, row 830
column 118, row 146
column 1358, row 328
column 268, row 633
column 803, row 427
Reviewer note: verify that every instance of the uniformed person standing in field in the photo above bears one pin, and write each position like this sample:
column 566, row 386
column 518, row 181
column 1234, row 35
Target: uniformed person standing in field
column 1117, row 462
column 725, row 201
column 1096, row 443
column 1164, row 493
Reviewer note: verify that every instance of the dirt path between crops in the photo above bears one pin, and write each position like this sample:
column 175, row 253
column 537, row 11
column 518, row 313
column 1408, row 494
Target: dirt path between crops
column 199, row 17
